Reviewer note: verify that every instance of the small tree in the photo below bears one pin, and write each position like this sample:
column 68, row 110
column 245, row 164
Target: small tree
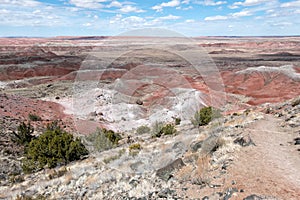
column 52, row 148
column 24, row 134
column 204, row 116
column 112, row 136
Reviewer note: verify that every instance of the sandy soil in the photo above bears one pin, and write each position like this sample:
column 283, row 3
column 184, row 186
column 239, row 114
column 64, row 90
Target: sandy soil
column 272, row 167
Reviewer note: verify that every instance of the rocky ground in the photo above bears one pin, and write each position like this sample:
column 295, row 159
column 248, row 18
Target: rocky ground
column 250, row 153
column 246, row 153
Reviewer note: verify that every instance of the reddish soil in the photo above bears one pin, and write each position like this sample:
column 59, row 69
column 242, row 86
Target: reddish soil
column 56, row 59
column 263, row 87
column 18, row 107
column 271, row 167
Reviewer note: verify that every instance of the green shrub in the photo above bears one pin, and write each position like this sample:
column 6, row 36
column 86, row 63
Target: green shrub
column 103, row 139
column 24, row 134
column 134, row 147
column 142, row 130
column 168, row 129
column 114, row 157
column 157, row 129
column 177, row 121
column 204, row 116
column 28, row 165
column 52, row 148
column 160, row 129
column 53, row 126
column 112, row 136
column 34, row 117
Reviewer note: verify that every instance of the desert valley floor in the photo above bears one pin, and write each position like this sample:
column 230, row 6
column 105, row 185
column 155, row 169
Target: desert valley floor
column 124, row 83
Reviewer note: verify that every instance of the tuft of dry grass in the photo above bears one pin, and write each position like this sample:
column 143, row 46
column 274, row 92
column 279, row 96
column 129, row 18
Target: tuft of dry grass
column 184, row 174
column 68, row 177
column 201, row 173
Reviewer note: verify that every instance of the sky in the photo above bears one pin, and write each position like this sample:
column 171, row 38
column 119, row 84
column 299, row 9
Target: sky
column 48, row 18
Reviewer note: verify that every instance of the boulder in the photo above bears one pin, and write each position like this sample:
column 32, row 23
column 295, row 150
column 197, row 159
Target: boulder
column 165, row 173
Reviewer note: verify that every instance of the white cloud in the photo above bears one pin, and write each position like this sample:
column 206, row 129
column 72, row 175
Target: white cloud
column 129, row 9
column 141, row 22
column 215, row 18
column 172, row 3
column 250, row 3
column 92, row 4
column 236, row 15
column 115, row 19
column 284, row 24
column 190, row 21
column 169, row 17
column 233, row 6
column 186, row 1
column 87, row 24
column 129, row 22
column 211, row 2
column 25, row 3
column 30, row 18
column 134, row 19
column 241, row 14
column 187, row 8
column 4, row 11
column 115, row 4
column 72, row 9
column 291, row 4
column 36, row 12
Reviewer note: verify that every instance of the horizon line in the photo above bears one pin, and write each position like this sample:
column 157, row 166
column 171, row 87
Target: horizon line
column 142, row 36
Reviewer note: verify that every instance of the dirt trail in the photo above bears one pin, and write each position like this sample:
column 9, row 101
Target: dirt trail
column 272, row 167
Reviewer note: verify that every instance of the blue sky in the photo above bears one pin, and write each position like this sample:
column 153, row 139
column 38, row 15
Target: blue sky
column 112, row 17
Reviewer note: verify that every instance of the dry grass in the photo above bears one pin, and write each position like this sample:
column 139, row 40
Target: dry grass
column 68, row 177
column 201, row 173
column 225, row 150
column 184, row 174
column 191, row 157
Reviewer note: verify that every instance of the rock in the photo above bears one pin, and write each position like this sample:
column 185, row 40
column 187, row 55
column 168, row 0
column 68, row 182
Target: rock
column 165, row 173
column 139, row 102
column 297, row 141
column 296, row 102
column 253, row 197
column 93, row 114
column 210, row 145
column 165, row 193
column 244, row 141
column 229, row 193
column 196, row 146
column 134, row 182
column 178, row 148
